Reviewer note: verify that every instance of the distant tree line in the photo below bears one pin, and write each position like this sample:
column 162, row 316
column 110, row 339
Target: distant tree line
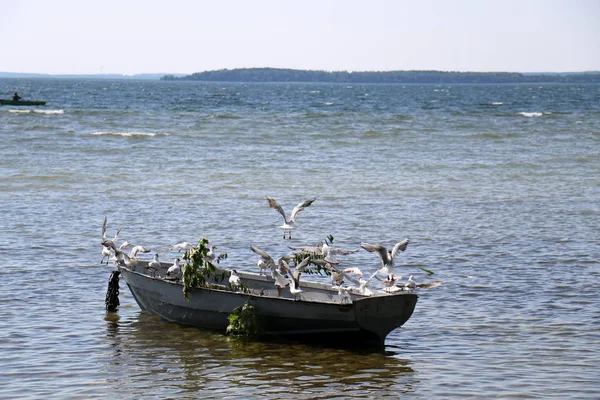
column 437, row 77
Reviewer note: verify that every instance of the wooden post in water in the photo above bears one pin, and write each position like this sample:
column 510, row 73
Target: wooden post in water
column 112, row 293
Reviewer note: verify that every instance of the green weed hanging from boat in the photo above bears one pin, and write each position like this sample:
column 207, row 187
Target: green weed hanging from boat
column 244, row 322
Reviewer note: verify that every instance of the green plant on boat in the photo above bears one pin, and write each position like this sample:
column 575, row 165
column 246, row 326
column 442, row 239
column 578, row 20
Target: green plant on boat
column 244, row 322
column 318, row 267
column 198, row 268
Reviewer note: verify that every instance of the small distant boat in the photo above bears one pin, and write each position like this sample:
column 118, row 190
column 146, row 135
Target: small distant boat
column 320, row 313
column 6, row 102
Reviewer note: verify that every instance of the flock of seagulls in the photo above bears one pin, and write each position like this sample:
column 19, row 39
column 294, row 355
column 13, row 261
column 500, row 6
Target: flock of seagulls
column 286, row 272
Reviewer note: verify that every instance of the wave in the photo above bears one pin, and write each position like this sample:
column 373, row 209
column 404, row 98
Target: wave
column 130, row 134
column 48, row 112
column 534, row 114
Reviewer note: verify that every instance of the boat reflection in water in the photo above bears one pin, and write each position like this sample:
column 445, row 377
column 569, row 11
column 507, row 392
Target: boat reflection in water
column 167, row 360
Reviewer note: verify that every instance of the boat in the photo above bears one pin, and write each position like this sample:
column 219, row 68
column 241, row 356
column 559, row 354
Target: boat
column 6, row 102
column 319, row 314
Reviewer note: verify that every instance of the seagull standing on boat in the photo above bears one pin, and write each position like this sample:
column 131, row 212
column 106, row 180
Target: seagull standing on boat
column 234, row 280
column 174, row 270
column 210, row 255
column 390, row 282
column 337, row 277
column 288, row 223
column 387, row 256
column 280, row 281
column 295, row 289
column 154, row 265
column 410, row 285
column 343, row 292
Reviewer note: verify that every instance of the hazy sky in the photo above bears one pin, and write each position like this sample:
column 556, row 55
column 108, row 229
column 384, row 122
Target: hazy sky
column 185, row 36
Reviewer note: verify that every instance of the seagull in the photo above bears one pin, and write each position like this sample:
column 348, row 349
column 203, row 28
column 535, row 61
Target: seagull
column 317, row 250
column 261, row 266
column 234, row 280
column 295, row 284
column 266, row 261
column 136, row 249
column 129, row 260
column 363, row 287
column 329, row 252
column 185, row 246
column 106, row 247
column 280, row 281
column 210, row 255
column 119, row 257
column 325, row 250
column 387, row 257
column 390, row 282
column 287, row 223
column 337, row 277
column 300, row 268
column 104, row 238
column 154, row 265
column 106, row 253
column 283, row 266
column 174, row 270
column 356, row 271
column 343, row 292
column 410, row 285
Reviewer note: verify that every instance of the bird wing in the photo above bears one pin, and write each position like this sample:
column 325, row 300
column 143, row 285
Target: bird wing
column 104, row 228
column 300, row 207
column 137, row 249
column 356, row 271
column 400, row 246
column 268, row 259
column 307, row 249
column 295, row 280
column 302, row 266
column 381, row 251
column 274, row 204
column 341, row 252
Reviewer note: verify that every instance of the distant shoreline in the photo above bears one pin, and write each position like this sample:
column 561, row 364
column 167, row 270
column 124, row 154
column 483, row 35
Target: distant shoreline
column 399, row 77
column 250, row 75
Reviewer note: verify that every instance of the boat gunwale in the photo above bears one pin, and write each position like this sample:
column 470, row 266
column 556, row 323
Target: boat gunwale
column 356, row 297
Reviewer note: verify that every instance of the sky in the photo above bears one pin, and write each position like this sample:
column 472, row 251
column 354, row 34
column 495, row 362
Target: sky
column 186, row 36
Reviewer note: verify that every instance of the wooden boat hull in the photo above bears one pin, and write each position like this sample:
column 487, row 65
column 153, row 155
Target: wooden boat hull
column 22, row 102
column 320, row 314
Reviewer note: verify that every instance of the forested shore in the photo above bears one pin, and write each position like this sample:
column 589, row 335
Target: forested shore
column 435, row 77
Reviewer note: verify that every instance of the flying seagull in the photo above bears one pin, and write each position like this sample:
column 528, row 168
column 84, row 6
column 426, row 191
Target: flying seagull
column 288, row 223
column 387, row 256
column 266, row 261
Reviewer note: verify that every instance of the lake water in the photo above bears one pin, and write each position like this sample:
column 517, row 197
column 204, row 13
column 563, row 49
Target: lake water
column 497, row 187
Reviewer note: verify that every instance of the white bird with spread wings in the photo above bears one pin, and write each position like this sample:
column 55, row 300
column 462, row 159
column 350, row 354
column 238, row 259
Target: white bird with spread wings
column 288, row 223
column 387, row 256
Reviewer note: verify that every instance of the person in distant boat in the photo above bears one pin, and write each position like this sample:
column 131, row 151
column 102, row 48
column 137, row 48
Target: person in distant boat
column 16, row 97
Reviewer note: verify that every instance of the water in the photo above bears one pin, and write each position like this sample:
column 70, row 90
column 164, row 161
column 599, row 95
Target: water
column 496, row 186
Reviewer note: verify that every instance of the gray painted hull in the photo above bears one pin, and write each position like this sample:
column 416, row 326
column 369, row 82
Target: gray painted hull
column 318, row 313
